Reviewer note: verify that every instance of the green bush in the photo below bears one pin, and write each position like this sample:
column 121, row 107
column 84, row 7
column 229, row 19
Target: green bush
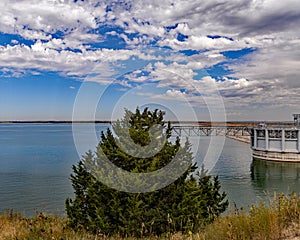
column 187, row 204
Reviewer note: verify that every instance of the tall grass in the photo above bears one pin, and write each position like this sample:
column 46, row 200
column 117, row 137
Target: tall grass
column 14, row 226
column 279, row 220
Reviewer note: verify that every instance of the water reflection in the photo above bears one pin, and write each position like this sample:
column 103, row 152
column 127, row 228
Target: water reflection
column 275, row 176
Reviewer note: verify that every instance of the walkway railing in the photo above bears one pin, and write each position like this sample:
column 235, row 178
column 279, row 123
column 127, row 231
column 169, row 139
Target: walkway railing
column 210, row 131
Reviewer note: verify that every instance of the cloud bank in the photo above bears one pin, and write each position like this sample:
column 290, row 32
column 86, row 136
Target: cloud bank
column 182, row 37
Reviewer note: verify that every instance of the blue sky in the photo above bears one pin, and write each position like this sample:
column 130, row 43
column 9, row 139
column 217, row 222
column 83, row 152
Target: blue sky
column 194, row 58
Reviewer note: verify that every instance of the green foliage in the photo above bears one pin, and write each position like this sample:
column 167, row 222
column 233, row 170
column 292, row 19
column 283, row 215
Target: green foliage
column 187, row 204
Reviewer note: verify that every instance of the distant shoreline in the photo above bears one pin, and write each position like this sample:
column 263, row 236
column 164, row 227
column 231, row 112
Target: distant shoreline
column 53, row 122
column 199, row 123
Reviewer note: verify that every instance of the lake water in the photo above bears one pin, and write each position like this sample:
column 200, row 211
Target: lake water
column 36, row 160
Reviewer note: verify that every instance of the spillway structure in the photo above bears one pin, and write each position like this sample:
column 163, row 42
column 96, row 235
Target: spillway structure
column 277, row 143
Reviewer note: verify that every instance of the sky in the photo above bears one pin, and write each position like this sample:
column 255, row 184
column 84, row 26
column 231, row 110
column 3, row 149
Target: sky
column 195, row 59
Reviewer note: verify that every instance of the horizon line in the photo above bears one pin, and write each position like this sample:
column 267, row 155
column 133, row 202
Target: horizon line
column 113, row 121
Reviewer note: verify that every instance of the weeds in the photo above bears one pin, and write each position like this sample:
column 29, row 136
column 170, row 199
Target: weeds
column 279, row 220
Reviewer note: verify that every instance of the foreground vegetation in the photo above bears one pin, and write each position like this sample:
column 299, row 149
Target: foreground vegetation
column 279, row 220
column 169, row 194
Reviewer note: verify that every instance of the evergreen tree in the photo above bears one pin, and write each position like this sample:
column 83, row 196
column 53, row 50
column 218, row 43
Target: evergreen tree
column 187, row 204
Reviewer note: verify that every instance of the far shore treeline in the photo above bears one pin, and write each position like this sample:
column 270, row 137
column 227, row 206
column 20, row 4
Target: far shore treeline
column 199, row 123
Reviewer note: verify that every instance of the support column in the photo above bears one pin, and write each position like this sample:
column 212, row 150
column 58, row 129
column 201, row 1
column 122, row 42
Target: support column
column 298, row 140
column 255, row 139
column 283, row 140
column 267, row 138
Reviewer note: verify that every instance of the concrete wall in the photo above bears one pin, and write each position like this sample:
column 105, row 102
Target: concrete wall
column 276, row 140
column 279, row 144
column 276, row 156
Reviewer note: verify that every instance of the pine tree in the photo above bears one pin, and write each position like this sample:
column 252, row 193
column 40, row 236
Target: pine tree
column 186, row 204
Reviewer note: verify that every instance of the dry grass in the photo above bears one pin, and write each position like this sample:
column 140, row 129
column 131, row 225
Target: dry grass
column 14, row 226
column 280, row 220
column 45, row 227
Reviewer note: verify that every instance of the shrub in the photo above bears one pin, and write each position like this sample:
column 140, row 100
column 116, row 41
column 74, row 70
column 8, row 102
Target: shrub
column 190, row 202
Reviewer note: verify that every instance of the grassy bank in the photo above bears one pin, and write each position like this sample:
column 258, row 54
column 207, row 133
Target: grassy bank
column 280, row 220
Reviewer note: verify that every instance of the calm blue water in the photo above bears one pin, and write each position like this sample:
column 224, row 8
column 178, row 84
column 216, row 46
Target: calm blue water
column 36, row 160
column 35, row 165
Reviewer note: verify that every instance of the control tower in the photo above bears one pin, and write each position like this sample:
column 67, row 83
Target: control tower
column 277, row 143
column 296, row 119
